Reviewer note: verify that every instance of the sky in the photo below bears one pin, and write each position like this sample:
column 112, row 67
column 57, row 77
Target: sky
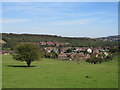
column 67, row 19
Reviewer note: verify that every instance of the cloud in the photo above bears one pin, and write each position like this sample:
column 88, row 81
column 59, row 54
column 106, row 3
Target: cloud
column 75, row 22
column 61, row 10
column 8, row 21
column 91, row 14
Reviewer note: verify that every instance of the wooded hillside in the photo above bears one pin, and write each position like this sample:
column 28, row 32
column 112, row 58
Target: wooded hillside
column 13, row 39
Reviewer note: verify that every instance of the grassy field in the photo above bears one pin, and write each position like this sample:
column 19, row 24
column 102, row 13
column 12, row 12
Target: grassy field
column 59, row 74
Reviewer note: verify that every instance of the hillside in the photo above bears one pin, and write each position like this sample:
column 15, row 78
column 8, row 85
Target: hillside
column 111, row 38
column 13, row 39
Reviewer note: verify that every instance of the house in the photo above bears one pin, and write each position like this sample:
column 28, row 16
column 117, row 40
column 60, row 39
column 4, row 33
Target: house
column 0, row 51
column 96, row 53
column 66, row 43
column 87, row 56
column 62, row 56
column 4, row 52
column 106, row 54
column 80, row 56
column 42, row 43
column 50, row 43
column 48, row 49
column 89, row 50
column 62, row 50
column 55, row 50
column 53, row 43
column 77, row 49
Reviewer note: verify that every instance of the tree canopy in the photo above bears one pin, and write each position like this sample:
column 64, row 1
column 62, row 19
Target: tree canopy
column 27, row 52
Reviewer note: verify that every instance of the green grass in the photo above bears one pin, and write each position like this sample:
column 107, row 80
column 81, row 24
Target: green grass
column 59, row 74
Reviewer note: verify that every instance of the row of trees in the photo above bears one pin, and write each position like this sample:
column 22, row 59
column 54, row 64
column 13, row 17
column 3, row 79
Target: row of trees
column 99, row 58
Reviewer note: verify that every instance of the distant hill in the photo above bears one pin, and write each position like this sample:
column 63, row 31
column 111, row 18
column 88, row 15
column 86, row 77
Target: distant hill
column 14, row 39
column 111, row 38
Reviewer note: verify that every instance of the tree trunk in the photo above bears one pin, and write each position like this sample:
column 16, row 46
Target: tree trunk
column 28, row 63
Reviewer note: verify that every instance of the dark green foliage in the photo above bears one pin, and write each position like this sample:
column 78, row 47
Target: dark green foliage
column 114, row 49
column 51, row 55
column 27, row 52
column 100, row 58
column 68, row 50
column 77, row 57
column 88, row 77
column 88, row 60
column 109, row 57
column 119, row 48
column 94, row 59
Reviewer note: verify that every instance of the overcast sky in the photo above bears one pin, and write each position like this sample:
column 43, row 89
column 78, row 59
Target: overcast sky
column 78, row 19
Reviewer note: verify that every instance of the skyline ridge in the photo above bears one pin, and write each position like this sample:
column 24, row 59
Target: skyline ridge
column 59, row 35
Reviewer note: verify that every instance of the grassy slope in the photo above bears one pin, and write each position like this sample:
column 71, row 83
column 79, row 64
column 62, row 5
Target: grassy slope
column 59, row 74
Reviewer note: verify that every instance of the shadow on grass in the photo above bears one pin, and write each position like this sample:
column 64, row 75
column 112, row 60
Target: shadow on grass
column 20, row 66
column 88, row 77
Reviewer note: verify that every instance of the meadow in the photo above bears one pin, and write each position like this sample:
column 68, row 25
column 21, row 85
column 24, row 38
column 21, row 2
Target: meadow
column 51, row 73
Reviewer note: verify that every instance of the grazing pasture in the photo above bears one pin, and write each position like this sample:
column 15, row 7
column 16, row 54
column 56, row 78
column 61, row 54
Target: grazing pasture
column 51, row 73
